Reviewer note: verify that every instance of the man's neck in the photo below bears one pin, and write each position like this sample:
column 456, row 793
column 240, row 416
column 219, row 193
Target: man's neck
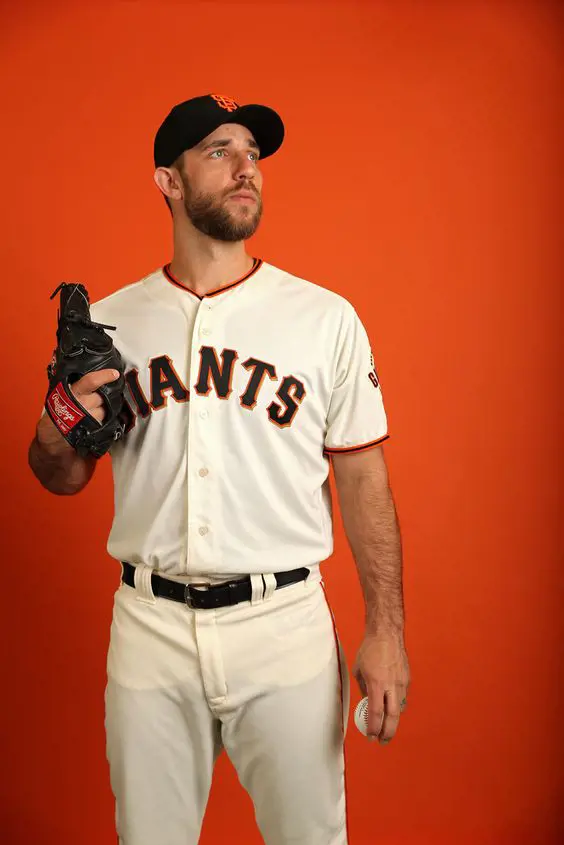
column 205, row 265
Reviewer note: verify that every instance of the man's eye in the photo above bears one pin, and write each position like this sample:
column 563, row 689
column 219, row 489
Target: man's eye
column 254, row 156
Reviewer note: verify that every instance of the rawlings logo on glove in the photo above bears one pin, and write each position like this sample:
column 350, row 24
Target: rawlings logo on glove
column 83, row 347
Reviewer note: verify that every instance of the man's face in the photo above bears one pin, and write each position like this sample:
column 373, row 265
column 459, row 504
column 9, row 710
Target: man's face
column 222, row 184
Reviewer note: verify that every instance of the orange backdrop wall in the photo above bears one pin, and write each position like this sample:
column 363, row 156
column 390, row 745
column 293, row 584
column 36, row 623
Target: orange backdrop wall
column 422, row 179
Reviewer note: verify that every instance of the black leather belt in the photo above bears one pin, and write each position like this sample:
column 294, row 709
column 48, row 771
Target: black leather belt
column 217, row 595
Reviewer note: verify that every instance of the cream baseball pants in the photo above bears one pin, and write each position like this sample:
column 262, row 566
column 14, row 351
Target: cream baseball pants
column 265, row 680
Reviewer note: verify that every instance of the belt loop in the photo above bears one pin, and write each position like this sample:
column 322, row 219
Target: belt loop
column 257, row 585
column 270, row 585
column 143, row 586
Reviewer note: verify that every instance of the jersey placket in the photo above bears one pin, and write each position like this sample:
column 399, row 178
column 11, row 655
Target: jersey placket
column 201, row 483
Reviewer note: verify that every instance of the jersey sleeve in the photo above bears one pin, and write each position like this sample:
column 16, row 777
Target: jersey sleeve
column 356, row 418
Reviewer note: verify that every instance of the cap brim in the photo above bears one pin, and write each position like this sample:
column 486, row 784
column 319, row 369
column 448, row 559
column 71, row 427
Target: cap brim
column 265, row 124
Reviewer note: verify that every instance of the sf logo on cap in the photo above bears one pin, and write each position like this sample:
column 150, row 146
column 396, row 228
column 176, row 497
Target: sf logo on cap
column 226, row 103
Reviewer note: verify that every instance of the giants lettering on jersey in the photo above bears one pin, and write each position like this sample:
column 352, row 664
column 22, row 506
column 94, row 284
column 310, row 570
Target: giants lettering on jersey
column 373, row 375
column 214, row 375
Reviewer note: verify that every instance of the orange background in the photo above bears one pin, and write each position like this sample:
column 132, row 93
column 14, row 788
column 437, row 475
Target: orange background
column 422, row 179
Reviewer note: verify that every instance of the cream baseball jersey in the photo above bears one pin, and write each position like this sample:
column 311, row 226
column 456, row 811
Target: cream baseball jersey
column 235, row 402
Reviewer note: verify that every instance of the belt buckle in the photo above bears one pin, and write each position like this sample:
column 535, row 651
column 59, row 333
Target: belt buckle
column 188, row 597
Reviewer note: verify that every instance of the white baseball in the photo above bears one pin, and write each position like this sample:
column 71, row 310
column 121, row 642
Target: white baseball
column 361, row 717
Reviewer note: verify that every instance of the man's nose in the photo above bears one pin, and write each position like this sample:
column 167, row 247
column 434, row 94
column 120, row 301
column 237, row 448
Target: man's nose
column 245, row 168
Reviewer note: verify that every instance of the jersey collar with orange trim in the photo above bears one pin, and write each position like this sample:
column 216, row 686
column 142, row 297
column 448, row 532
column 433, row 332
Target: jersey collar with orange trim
column 257, row 263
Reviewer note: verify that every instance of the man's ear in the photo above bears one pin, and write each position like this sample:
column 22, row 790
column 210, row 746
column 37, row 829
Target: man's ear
column 169, row 183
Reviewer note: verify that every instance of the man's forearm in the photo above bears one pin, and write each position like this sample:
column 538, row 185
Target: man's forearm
column 370, row 521
column 55, row 464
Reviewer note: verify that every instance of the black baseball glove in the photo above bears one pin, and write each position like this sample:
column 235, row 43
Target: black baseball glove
column 82, row 347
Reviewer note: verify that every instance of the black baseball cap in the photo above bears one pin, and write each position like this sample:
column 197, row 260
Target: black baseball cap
column 190, row 122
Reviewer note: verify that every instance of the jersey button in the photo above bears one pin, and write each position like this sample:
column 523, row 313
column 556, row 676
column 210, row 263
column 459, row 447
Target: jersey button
column 203, row 414
column 203, row 472
column 203, row 530
column 206, row 332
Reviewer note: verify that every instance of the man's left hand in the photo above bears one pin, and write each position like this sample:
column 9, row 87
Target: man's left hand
column 382, row 673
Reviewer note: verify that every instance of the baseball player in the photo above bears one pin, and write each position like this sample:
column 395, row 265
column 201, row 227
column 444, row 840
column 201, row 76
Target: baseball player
column 241, row 384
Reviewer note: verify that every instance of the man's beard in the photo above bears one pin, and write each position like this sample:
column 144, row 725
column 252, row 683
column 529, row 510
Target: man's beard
column 211, row 216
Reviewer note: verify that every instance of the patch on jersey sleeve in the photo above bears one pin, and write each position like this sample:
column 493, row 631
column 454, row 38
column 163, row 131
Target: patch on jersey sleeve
column 373, row 375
